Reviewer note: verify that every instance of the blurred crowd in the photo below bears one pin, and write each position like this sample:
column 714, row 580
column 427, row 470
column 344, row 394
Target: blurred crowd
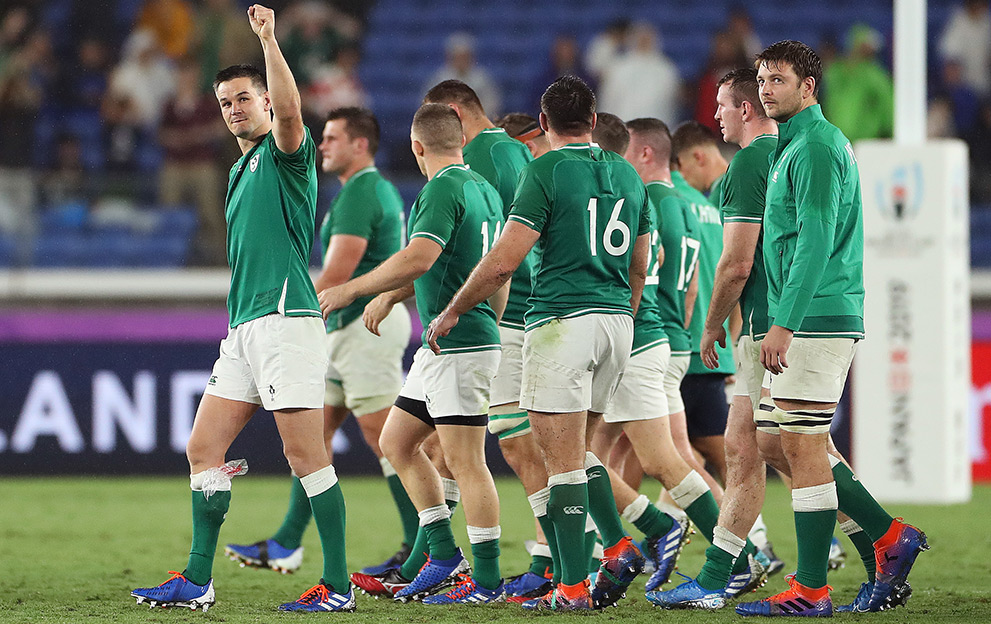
column 106, row 104
column 95, row 118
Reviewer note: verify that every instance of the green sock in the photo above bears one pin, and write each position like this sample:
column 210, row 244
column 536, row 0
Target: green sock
column 407, row 512
column 741, row 562
column 857, row 502
column 441, row 539
column 290, row 534
column 541, row 565
column 208, row 515
column 551, row 535
column 865, row 548
column 566, row 509
column 420, row 549
column 602, row 506
column 716, row 571
column 704, row 512
column 815, row 532
column 329, row 515
column 591, row 539
column 653, row 522
column 485, row 557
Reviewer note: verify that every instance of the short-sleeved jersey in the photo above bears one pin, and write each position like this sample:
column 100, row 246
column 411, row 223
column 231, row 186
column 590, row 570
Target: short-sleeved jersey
column 368, row 206
column 741, row 200
column 499, row 159
column 679, row 230
column 711, row 237
column 648, row 326
column 589, row 206
column 814, row 231
column 271, row 216
column 461, row 212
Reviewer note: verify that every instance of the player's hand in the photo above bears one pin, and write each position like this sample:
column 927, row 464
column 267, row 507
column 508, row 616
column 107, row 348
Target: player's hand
column 440, row 327
column 334, row 298
column 774, row 349
column 376, row 311
column 707, row 347
column 262, row 21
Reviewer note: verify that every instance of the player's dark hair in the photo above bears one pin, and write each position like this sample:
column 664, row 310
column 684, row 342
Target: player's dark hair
column 241, row 71
column 438, row 128
column 742, row 86
column 358, row 122
column 688, row 135
column 610, row 133
column 802, row 59
column 569, row 105
column 654, row 133
column 454, row 92
column 517, row 125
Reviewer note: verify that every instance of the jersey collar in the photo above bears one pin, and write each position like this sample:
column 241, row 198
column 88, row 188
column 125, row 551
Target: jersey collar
column 799, row 121
column 361, row 172
column 579, row 146
column 450, row 167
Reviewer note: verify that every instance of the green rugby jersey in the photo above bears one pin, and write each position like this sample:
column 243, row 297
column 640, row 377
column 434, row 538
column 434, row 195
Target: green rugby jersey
column 680, row 239
column 271, row 216
column 648, row 326
column 711, row 237
column 589, row 206
column 368, row 206
column 741, row 200
column 461, row 212
column 814, row 231
column 499, row 159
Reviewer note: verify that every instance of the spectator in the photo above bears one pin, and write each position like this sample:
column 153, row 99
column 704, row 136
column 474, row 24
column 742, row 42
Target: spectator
column 460, row 65
column 643, row 82
column 980, row 156
column 564, row 58
column 741, row 29
column 172, row 24
column 606, row 48
column 139, row 88
column 315, row 33
column 859, row 94
column 83, row 83
column 967, row 39
column 224, row 39
column 335, row 85
column 725, row 55
column 962, row 98
column 66, row 187
column 189, row 133
column 939, row 118
column 13, row 31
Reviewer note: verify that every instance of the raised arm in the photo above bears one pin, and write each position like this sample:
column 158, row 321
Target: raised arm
column 287, row 125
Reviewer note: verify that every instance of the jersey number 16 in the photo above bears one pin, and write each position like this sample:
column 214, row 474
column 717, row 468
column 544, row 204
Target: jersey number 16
column 612, row 226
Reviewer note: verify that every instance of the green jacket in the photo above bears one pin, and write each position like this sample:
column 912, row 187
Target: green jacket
column 814, row 231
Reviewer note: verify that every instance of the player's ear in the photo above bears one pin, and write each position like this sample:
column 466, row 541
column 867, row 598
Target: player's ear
column 456, row 109
column 464, row 141
column 268, row 101
column 594, row 119
column 530, row 145
column 542, row 119
column 809, row 86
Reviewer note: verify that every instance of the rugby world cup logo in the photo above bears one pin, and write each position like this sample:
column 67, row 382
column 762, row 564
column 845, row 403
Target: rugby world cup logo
column 899, row 196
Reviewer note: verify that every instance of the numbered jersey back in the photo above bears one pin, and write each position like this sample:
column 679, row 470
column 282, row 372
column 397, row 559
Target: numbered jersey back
column 589, row 206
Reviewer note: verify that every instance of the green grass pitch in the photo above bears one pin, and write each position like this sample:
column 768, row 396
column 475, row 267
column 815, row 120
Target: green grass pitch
column 72, row 548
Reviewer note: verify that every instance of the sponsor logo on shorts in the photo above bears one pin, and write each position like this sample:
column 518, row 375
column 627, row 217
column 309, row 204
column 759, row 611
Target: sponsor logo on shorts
column 574, row 510
column 271, row 391
column 213, row 381
column 594, row 475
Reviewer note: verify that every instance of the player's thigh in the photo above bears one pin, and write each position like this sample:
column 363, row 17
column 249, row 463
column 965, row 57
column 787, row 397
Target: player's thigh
column 640, row 394
column 371, row 428
column 741, row 433
column 217, row 423
column 288, row 360
column 673, row 376
column 613, row 342
column 369, row 367
column 301, row 431
column 750, row 373
column 706, row 409
column 463, row 446
column 509, row 376
column 404, row 434
column 817, row 370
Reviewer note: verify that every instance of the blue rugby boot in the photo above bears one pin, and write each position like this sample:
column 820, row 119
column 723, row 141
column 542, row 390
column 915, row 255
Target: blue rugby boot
column 177, row 591
column 322, row 598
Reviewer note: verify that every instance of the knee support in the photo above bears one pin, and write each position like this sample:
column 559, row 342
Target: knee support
column 770, row 418
column 507, row 426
